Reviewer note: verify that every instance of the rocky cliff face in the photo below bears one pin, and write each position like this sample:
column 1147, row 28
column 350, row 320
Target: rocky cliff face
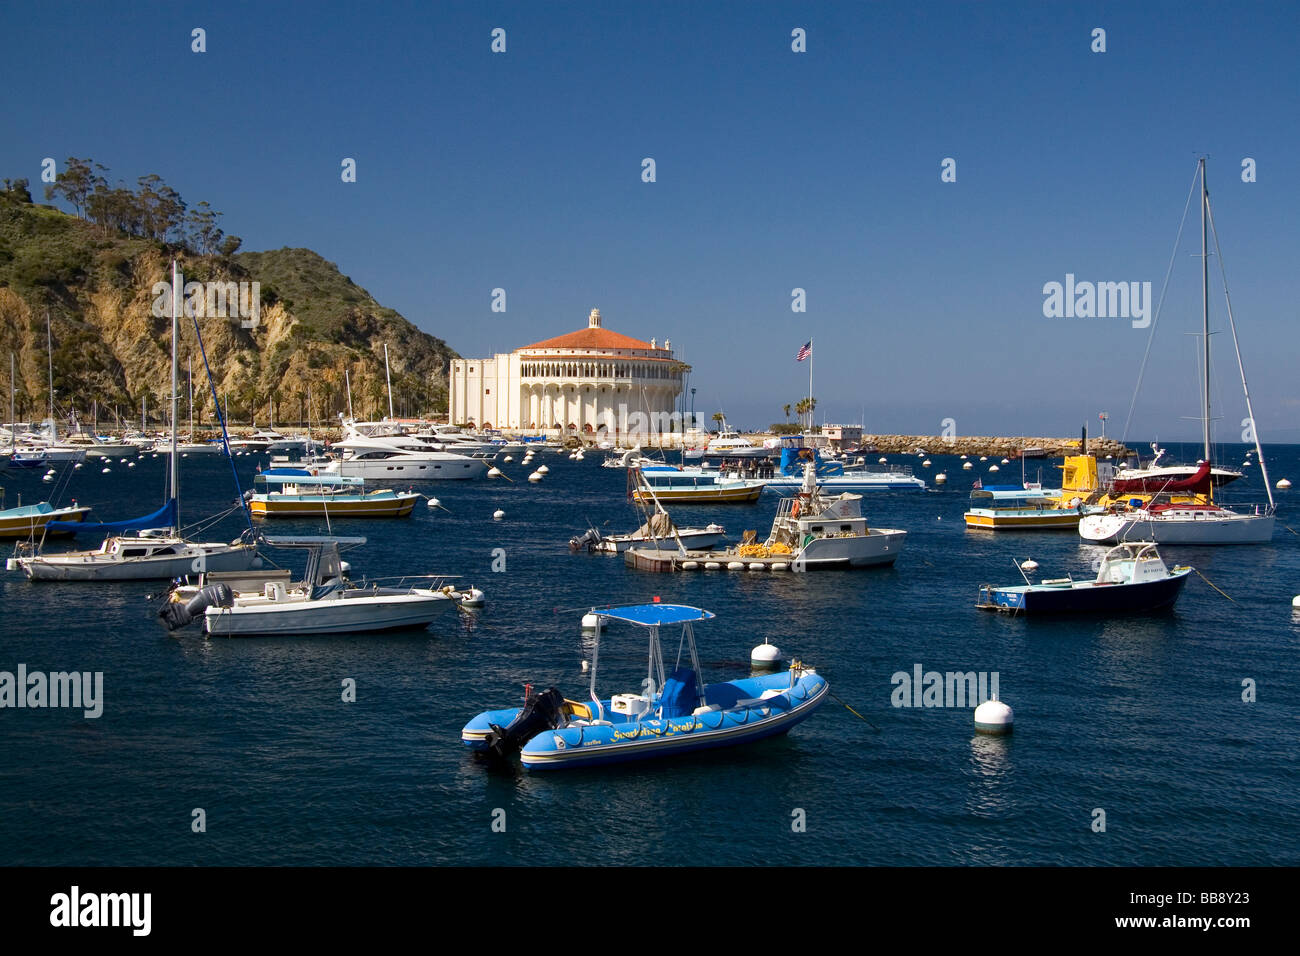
column 315, row 324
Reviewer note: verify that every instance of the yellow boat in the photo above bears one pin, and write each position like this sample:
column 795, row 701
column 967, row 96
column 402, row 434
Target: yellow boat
column 28, row 520
column 297, row 493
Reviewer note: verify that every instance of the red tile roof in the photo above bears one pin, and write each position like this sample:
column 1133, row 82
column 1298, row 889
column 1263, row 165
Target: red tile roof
column 591, row 338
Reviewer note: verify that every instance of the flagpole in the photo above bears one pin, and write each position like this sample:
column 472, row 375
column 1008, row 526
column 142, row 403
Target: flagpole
column 810, row 361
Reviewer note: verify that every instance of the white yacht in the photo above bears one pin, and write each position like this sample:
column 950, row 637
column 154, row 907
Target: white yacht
column 402, row 457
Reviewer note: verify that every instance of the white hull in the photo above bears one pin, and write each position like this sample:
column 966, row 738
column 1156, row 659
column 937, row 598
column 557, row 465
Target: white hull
column 1202, row 529
column 416, row 468
column 692, row 540
column 870, row 481
column 93, row 566
column 877, row 547
column 332, row 615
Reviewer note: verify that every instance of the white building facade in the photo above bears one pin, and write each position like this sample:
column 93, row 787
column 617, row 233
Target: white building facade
column 590, row 382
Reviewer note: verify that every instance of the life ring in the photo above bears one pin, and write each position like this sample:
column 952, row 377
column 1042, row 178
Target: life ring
column 794, row 512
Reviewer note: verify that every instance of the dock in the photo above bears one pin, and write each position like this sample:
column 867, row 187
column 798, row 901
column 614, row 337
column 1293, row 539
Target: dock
column 666, row 559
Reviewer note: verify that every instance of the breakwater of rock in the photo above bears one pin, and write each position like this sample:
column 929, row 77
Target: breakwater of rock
column 993, row 446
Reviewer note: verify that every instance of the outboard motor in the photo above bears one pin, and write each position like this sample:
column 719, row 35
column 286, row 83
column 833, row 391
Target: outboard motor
column 541, row 712
column 586, row 541
column 175, row 614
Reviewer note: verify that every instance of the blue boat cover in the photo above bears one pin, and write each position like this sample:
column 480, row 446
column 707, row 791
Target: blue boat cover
column 164, row 517
column 652, row 615
column 793, row 458
column 680, row 697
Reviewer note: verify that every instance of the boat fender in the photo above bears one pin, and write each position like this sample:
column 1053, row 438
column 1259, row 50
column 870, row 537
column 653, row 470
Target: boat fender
column 794, row 511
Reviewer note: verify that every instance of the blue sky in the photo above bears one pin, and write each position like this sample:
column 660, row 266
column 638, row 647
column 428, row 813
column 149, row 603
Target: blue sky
column 775, row 170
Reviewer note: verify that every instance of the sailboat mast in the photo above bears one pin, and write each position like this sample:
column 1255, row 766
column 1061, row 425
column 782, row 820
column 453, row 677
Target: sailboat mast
column 13, row 387
column 347, row 378
column 173, row 473
column 1205, row 314
column 189, row 378
column 388, row 378
column 49, row 354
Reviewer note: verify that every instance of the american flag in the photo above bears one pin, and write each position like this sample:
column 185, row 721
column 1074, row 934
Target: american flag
column 979, row 483
column 804, row 352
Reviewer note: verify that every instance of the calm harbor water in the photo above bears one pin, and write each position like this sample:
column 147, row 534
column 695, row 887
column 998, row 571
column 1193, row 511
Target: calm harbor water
column 1141, row 717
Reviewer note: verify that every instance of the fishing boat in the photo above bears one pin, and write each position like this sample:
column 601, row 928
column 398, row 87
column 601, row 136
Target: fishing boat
column 1132, row 578
column 811, row 530
column 1168, row 505
column 26, row 521
column 693, row 486
column 141, row 548
column 657, row 530
column 673, row 713
column 299, row 493
column 324, row 601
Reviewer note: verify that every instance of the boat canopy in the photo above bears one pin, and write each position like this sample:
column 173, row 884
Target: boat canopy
column 164, row 517
column 1199, row 483
column 294, row 476
column 655, row 615
column 1002, row 493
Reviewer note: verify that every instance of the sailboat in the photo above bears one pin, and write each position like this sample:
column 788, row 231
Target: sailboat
column 156, row 549
column 1178, row 507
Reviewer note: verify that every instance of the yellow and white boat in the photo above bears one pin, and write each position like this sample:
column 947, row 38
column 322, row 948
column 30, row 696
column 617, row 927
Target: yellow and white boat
column 27, row 521
column 297, row 493
column 695, row 487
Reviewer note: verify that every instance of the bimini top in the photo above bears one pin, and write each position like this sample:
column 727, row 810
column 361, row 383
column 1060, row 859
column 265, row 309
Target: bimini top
column 653, row 615
column 289, row 476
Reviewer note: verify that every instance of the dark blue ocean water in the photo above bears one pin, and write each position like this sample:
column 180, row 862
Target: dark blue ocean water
column 1140, row 717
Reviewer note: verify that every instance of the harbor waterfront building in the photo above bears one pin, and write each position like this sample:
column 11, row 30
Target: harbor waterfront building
column 590, row 382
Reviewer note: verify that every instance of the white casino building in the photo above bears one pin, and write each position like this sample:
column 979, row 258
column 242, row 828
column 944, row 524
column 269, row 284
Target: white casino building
column 575, row 384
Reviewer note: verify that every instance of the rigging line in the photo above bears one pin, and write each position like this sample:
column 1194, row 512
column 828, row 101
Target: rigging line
column 1213, row 585
column 1155, row 320
column 854, row 712
column 1263, row 466
column 225, row 436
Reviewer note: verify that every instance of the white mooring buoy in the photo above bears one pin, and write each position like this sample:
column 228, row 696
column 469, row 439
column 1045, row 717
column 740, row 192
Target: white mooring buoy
column 884, row 461
column 993, row 467
column 508, row 459
column 472, row 598
column 434, row 502
column 535, row 477
column 940, row 478
column 498, row 515
column 1029, row 564
column 766, row 654
column 1295, row 601
column 993, row 717
column 967, row 466
column 1284, row 484
column 494, row 472
column 590, row 622
column 926, row 463
column 543, row 470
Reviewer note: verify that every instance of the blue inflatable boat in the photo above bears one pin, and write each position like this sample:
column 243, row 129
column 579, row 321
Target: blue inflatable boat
column 675, row 714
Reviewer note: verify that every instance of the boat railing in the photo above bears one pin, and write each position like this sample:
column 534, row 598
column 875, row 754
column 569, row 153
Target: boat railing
column 435, row 581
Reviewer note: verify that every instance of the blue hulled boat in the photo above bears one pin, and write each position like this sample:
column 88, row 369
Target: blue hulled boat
column 676, row 714
column 1132, row 578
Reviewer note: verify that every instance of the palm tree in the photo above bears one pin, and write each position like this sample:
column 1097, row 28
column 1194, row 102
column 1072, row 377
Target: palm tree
column 717, row 416
column 786, row 406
